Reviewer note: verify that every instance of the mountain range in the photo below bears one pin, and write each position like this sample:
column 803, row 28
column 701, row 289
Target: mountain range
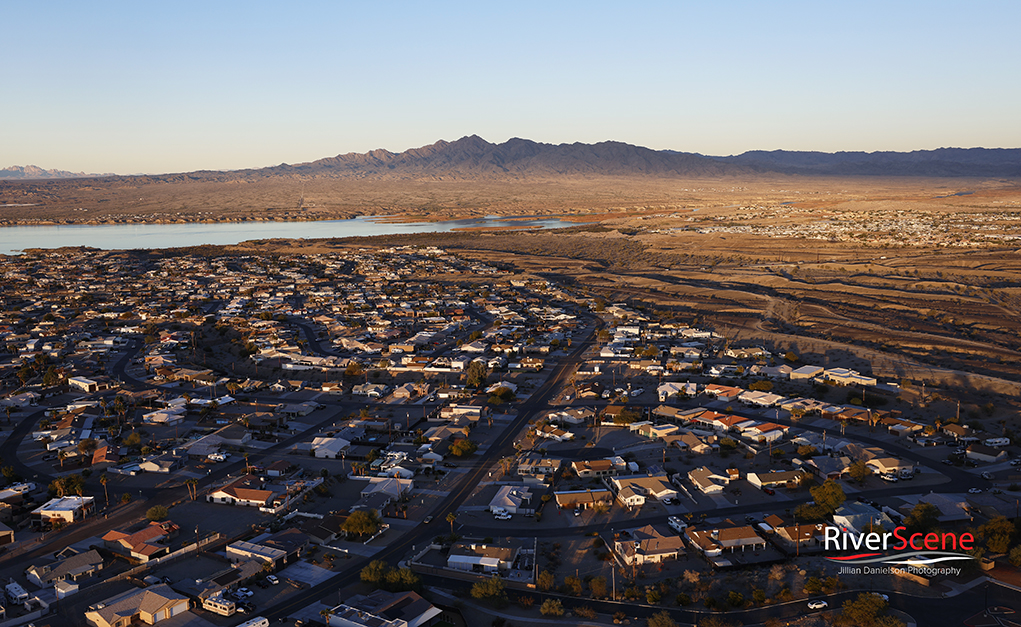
column 473, row 157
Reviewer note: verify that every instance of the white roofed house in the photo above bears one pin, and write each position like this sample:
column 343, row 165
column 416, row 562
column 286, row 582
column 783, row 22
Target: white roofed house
column 855, row 517
column 890, row 465
column 806, row 372
column 707, row 481
column 633, row 490
column 63, row 510
column 329, row 448
column 512, row 499
column 552, row 433
column 775, row 479
column 476, row 557
column 765, row 432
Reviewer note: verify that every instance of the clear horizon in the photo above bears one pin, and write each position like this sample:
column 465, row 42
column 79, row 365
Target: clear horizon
column 136, row 88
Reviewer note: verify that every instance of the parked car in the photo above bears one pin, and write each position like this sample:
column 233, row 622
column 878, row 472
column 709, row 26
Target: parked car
column 577, row 512
column 975, row 491
column 769, row 491
column 272, row 579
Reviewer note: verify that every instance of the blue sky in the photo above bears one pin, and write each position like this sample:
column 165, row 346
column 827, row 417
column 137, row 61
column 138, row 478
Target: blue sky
column 131, row 87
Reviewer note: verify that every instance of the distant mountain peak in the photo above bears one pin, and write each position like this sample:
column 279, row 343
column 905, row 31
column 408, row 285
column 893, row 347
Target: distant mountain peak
column 28, row 172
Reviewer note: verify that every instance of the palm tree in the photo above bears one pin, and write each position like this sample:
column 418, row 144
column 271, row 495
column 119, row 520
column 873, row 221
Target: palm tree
column 451, row 517
column 325, row 614
column 105, row 479
column 62, row 455
column 192, row 487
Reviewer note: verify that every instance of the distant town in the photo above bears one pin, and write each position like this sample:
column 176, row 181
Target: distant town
column 406, row 436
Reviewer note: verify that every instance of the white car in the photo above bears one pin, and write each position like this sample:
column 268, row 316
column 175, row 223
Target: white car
column 637, row 392
column 882, row 596
column 818, row 605
column 272, row 579
column 974, row 490
column 503, row 517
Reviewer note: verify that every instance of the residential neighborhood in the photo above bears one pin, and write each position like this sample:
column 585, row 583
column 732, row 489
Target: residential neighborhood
column 215, row 439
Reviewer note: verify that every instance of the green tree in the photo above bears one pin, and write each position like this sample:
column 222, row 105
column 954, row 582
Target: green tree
column 573, row 586
column 51, row 377
column 1015, row 556
column 597, row 586
column 490, row 590
column 828, row 496
column 545, row 581
column 402, row 580
column 662, row 619
column 476, row 374
column 923, row 518
column 552, row 607
column 375, row 572
column 362, row 522
column 997, row 534
column 463, row 448
column 157, row 513
column 807, row 450
column 859, row 471
column 868, row 610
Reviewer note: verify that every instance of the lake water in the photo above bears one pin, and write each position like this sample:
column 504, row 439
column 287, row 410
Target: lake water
column 14, row 239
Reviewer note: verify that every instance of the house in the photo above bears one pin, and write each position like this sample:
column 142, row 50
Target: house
column 693, row 444
column 845, row 376
column 961, row 433
column 855, row 517
column 983, row 453
column 645, row 545
column 724, row 393
column 775, row 479
column 707, row 481
column 598, row 467
column 582, row 499
column 890, row 466
column 248, row 490
column 161, row 464
column 512, row 499
column 481, row 558
column 326, row 529
column 825, row 467
column 382, row 608
column 800, row 535
column 142, row 545
column 631, row 487
column 145, row 605
column 743, row 537
column 243, row 551
column 382, row 491
column 83, row 384
column 951, row 510
column 534, row 465
column 806, row 372
column 667, row 390
column 552, row 433
column 329, row 448
column 73, row 567
column 63, row 510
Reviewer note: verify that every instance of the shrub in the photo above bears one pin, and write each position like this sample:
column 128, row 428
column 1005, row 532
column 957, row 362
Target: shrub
column 552, row 607
column 157, row 513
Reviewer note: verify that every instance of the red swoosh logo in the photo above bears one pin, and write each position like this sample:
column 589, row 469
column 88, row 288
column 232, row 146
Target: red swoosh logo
column 853, row 557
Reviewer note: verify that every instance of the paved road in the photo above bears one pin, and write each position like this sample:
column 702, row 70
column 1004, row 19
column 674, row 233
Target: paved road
column 502, row 446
